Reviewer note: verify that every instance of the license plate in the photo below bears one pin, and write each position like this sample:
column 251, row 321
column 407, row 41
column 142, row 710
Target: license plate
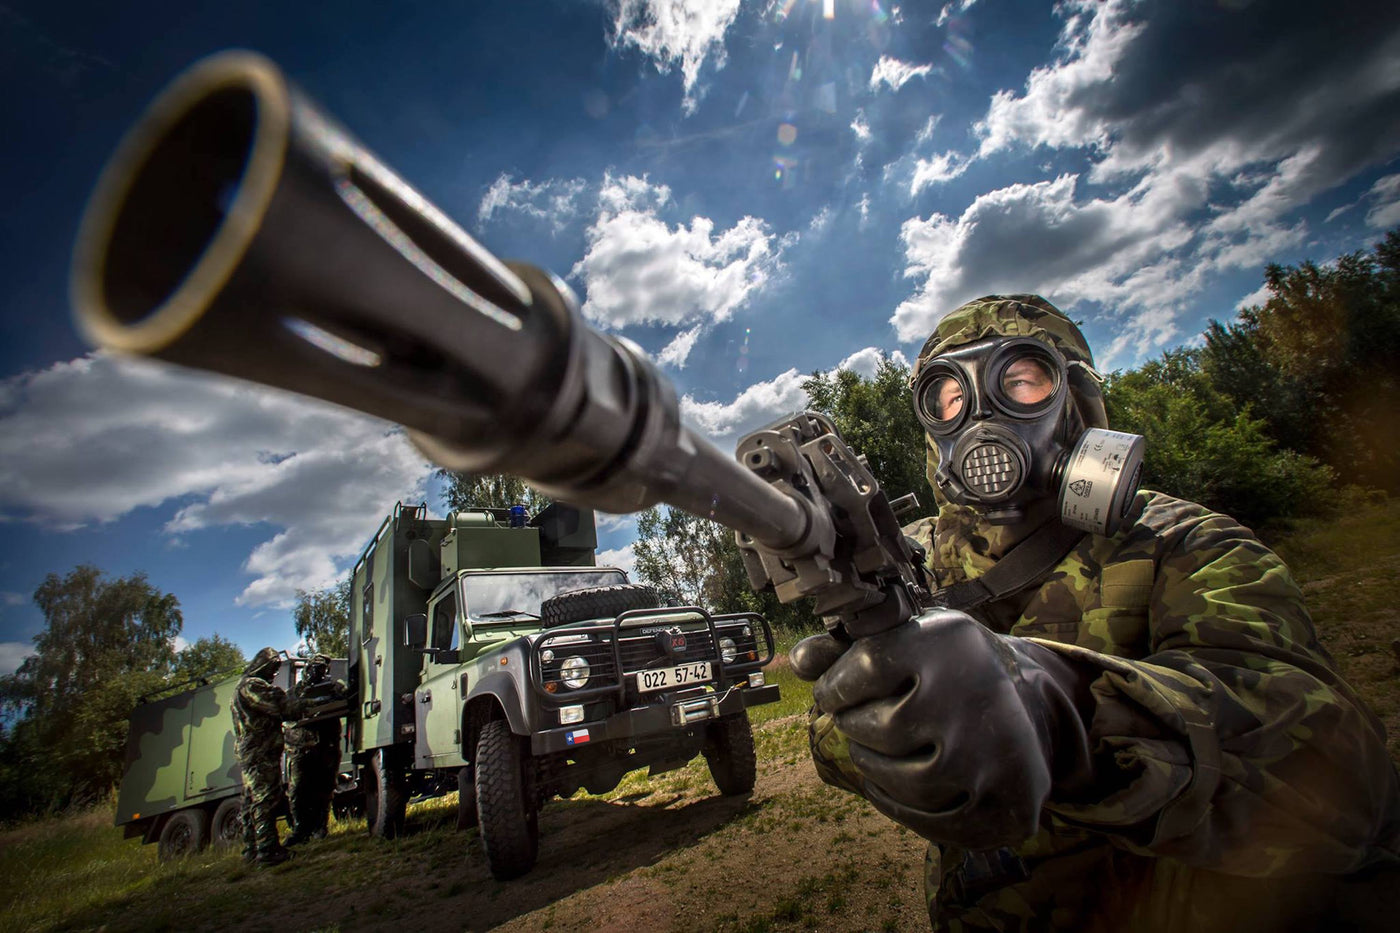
column 666, row 678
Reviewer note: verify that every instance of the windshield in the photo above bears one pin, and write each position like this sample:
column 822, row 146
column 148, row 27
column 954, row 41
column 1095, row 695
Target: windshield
column 497, row 596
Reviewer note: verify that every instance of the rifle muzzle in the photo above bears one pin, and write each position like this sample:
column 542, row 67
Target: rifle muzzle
column 240, row 230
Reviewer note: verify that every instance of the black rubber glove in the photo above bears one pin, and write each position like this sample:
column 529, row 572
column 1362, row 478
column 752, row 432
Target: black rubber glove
column 961, row 733
column 811, row 656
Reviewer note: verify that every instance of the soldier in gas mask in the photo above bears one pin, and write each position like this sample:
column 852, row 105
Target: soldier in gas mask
column 1129, row 728
column 313, row 754
column 259, row 707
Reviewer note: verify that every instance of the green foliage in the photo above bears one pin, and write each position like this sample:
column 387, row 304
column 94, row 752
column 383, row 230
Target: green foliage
column 205, row 658
column 677, row 554
column 480, row 491
column 1202, row 447
column 1317, row 361
column 322, row 619
column 105, row 643
column 876, row 418
column 696, row 562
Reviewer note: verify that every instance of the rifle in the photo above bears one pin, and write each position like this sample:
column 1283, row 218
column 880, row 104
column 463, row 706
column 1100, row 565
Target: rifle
column 240, row 230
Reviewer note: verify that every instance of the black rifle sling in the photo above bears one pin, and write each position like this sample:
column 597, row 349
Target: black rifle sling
column 1025, row 564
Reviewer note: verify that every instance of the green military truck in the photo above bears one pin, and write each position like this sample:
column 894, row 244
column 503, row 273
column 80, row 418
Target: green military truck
column 181, row 784
column 490, row 655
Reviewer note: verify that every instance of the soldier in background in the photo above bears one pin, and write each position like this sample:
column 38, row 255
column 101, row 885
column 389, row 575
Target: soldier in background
column 313, row 754
column 259, row 707
column 1148, row 736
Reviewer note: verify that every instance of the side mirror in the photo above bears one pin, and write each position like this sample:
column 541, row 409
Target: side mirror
column 415, row 630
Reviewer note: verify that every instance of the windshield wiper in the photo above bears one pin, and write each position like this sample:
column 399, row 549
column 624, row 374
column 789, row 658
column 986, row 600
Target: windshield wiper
column 507, row 613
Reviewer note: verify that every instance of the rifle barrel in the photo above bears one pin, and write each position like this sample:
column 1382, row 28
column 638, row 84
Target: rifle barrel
column 239, row 230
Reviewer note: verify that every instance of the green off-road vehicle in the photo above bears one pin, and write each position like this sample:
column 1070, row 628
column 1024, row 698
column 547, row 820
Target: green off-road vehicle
column 489, row 655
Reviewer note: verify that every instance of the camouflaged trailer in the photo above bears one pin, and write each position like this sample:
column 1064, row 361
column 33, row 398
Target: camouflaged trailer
column 491, row 656
column 181, row 783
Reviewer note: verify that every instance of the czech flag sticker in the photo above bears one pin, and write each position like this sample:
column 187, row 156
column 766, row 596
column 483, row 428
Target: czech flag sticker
column 577, row 737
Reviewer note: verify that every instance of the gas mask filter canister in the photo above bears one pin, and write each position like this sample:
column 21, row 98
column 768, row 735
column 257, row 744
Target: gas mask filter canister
column 1001, row 416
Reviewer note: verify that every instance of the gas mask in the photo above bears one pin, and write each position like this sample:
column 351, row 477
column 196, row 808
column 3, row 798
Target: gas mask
column 1001, row 414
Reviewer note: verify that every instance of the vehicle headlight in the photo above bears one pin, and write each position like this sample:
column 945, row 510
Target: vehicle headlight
column 574, row 672
column 728, row 651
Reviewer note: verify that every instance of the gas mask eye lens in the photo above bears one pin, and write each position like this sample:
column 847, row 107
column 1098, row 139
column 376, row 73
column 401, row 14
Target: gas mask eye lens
column 1027, row 381
column 940, row 401
column 946, row 398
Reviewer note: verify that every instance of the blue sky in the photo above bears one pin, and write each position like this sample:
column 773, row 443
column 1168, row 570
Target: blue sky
column 748, row 190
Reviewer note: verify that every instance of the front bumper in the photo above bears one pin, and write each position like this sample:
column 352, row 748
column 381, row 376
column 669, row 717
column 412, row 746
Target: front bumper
column 677, row 714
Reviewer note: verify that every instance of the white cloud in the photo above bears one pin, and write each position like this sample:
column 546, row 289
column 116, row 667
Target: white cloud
column 863, row 362
column 554, row 201
column 13, row 599
column 676, row 32
column 622, row 558
column 1041, row 238
column 861, row 127
column 895, row 73
column 1246, row 132
column 754, row 407
column 612, row 521
column 12, row 655
column 1386, row 211
column 678, row 350
column 179, row 643
column 95, row 438
column 638, row 269
column 935, row 171
column 950, row 9
column 1254, row 298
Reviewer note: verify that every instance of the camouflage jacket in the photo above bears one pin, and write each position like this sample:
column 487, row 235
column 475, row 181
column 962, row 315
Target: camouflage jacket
column 259, row 707
column 1231, row 759
column 323, row 733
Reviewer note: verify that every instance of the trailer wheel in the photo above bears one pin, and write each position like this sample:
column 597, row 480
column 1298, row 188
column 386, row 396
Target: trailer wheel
column 510, row 827
column 730, row 755
column 386, row 796
column 466, row 798
column 596, row 602
column 185, row 833
column 226, row 828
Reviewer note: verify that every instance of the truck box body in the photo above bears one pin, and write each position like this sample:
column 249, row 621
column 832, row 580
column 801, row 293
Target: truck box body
column 180, row 752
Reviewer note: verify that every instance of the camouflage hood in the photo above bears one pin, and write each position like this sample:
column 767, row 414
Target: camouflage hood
column 963, row 544
column 264, row 664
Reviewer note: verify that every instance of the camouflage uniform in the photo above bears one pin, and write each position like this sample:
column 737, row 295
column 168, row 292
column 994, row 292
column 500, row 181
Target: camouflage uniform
column 1236, row 777
column 313, row 755
column 259, row 707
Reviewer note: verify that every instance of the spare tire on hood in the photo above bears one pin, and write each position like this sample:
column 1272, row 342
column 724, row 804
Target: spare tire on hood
column 597, row 602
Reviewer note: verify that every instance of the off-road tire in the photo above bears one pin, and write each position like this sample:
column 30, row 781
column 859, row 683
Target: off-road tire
column 184, row 833
column 730, row 755
column 226, row 827
column 597, row 602
column 466, row 798
column 509, row 821
column 386, row 797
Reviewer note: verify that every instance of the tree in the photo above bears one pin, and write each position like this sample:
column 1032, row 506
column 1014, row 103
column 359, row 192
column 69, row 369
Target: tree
column 697, row 562
column 205, row 658
column 1316, row 361
column 105, row 643
column 1202, row 446
column 479, row 491
column 876, row 419
column 677, row 554
column 322, row 619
